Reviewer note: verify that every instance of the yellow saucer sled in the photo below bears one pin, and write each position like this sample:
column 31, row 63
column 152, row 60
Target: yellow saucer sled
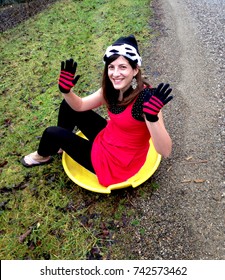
column 88, row 180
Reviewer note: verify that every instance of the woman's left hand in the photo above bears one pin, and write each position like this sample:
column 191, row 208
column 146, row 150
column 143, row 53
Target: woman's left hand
column 154, row 103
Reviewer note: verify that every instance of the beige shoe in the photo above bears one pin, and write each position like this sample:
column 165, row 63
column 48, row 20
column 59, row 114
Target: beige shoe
column 35, row 159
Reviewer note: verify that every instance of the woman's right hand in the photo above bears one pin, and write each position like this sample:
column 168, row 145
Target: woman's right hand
column 67, row 78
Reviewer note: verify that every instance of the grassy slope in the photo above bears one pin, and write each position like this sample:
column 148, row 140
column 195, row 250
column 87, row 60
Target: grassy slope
column 66, row 222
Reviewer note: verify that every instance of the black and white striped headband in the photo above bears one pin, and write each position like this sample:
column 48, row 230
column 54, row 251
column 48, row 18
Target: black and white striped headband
column 124, row 50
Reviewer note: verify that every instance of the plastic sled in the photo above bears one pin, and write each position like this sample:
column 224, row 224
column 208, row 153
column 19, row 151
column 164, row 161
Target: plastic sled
column 88, row 180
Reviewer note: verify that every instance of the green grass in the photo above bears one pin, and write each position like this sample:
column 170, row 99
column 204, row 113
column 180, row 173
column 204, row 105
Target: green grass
column 65, row 221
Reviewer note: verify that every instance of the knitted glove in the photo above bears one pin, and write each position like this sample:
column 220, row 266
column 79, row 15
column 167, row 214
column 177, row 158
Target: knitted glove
column 153, row 103
column 67, row 78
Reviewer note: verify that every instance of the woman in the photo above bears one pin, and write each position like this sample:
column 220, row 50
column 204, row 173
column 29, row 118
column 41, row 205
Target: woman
column 116, row 148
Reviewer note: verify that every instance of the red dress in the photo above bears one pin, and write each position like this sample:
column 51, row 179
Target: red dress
column 120, row 149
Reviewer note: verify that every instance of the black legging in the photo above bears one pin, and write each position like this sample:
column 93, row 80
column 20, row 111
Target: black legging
column 62, row 136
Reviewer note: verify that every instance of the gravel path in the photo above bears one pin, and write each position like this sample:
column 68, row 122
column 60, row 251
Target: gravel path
column 184, row 219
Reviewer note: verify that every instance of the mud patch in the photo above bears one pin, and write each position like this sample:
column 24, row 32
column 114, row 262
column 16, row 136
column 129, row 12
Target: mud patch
column 12, row 15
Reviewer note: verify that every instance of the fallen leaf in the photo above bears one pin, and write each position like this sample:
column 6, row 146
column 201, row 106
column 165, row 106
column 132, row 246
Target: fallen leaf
column 186, row 181
column 2, row 164
column 188, row 158
column 94, row 254
column 24, row 236
column 28, row 232
column 7, row 122
column 199, row 180
column 20, row 186
column 169, row 168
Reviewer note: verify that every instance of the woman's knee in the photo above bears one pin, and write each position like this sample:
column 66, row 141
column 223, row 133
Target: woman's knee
column 52, row 131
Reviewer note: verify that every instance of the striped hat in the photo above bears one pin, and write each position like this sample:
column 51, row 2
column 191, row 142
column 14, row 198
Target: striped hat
column 125, row 46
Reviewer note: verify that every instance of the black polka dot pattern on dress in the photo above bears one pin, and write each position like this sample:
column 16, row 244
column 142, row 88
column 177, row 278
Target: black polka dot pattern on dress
column 137, row 109
column 115, row 109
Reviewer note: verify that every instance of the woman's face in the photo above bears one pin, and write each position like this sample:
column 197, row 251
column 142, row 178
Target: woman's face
column 121, row 73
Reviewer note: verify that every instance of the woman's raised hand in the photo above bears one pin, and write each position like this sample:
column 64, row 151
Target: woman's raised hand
column 153, row 103
column 67, row 78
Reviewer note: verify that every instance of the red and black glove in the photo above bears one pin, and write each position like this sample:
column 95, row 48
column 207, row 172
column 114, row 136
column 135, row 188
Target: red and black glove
column 67, row 78
column 153, row 103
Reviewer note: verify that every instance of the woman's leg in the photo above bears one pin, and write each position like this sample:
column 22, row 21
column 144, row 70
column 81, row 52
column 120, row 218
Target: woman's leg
column 62, row 137
column 89, row 122
column 75, row 146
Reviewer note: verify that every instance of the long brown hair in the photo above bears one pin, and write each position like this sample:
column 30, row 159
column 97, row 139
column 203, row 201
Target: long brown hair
column 111, row 95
